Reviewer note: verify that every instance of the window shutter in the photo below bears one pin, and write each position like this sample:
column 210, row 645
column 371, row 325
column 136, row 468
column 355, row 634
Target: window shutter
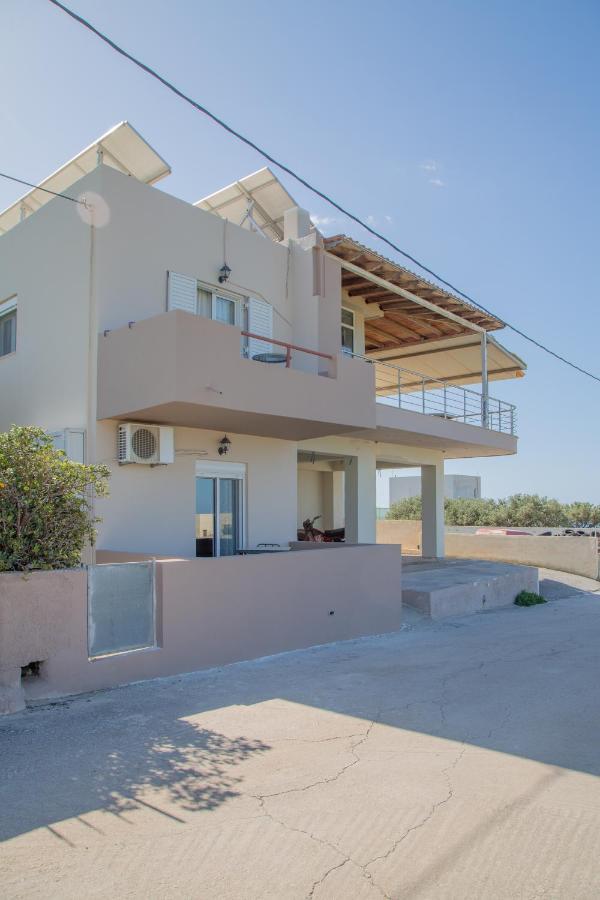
column 181, row 292
column 260, row 321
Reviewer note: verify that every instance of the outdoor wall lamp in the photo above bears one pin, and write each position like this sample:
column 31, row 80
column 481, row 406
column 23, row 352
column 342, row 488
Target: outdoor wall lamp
column 224, row 445
column 224, row 273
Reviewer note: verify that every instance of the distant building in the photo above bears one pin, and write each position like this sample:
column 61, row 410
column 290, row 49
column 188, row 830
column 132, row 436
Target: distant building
column 455, row 487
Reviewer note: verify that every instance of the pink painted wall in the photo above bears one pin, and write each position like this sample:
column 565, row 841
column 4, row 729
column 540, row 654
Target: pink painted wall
column 210, row 612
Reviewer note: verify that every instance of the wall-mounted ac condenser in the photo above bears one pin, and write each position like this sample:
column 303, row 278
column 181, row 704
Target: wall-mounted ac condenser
column 150, row 445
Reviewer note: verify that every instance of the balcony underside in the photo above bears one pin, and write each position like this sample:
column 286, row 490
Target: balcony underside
column 196, row 415
column 457, row 439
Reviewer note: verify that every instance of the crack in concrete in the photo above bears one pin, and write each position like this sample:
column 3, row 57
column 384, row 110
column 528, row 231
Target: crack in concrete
column 263, row 798
column 328, row 780
column 434, row 808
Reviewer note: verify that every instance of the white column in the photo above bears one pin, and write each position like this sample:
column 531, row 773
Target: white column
column 432, row 498
column 351, row 499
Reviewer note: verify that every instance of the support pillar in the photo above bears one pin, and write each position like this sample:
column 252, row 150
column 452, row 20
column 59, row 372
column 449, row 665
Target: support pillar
column 351, row 499
column 432, row 499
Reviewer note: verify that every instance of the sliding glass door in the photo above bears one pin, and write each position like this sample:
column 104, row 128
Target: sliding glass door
column 219, row 508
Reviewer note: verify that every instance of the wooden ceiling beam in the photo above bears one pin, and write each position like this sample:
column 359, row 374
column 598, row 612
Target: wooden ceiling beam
column 417, row 324
column 381, row 334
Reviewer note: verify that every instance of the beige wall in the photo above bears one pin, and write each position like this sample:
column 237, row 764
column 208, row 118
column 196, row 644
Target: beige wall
column 400, row 531
column 45, row 261
column 576, row 555
column 311, row 496
column 213, row 612
column 152, row 509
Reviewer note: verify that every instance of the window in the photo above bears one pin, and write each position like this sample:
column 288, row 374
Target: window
column 347, row 330
column 220, row 307
column 186, row 293
column 8, row 327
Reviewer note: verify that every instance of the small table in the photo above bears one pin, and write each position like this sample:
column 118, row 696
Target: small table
column 270, row 357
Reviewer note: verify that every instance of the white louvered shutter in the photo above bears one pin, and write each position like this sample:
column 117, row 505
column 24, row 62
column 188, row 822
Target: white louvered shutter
column 260, row 321
column 181, row 292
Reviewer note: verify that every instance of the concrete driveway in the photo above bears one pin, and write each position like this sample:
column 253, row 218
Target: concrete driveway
column 454, row 760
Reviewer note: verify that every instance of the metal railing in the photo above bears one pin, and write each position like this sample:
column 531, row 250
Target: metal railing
column 267, row 355
column 413, row 391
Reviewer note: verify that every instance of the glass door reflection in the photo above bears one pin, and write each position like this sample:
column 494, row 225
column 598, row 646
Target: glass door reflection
column 219, row 515
column 205, row 516
column 229, row 516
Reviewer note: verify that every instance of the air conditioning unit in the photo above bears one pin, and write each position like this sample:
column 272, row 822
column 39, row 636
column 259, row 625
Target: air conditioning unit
column 150, row 445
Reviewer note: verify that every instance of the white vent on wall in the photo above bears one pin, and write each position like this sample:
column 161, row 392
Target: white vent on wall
column 151, row 445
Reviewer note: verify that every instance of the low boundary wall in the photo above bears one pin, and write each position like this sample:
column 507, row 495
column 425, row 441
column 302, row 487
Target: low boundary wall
column 209, row 612
column 577, row 555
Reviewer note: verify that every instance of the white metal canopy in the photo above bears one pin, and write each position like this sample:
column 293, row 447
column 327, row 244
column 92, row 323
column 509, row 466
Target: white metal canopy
column 259, row 199
column 122, row 148
column 455, row 360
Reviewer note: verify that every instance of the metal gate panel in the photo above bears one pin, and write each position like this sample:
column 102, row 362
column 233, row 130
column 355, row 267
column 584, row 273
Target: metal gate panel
column 121, row 608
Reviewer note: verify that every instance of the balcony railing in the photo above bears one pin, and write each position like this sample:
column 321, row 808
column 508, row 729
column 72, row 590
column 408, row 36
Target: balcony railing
column 420, row 393
column 262, row 351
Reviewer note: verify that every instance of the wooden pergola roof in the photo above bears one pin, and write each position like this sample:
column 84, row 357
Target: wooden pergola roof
column 405, row 322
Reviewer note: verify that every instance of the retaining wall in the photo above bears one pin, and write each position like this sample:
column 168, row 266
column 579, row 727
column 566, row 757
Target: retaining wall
column 209, row 612
column 577, row 555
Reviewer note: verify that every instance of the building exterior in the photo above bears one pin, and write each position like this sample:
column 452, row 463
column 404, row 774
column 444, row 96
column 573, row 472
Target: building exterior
column 455, row 487
column 238, row 371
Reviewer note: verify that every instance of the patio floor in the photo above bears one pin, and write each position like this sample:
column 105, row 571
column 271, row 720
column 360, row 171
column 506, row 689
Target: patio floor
column 451, row 759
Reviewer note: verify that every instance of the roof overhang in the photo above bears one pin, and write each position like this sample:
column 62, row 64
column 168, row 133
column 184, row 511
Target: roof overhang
column 122, row 148
column 258, row 200
column 407, row 310
column 455, row 360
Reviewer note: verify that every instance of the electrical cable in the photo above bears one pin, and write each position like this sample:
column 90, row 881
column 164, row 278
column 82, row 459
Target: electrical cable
column 38, row 188
column 103, row 37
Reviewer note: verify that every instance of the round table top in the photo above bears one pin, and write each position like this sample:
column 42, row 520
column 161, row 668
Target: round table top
column 270, row 357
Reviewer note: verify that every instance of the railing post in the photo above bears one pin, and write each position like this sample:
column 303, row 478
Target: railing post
column 445, row 408
column 288, row 357
column 464, row 406
column 512, row 420
column 399, row 389
column 484, row 381
column 423, row 394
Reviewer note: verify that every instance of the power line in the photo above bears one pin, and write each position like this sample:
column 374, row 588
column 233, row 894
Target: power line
column 306, row 184
column 38, row 188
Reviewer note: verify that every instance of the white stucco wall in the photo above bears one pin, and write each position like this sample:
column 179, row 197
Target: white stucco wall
column 151, row 510
column 45, row 261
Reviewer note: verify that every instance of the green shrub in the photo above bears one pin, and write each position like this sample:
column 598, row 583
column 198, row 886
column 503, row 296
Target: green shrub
column 409, row 508
column 45, row 502
column 529, row 598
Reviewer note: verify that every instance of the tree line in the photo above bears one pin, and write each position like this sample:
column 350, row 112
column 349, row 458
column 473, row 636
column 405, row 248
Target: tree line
column 518, row 510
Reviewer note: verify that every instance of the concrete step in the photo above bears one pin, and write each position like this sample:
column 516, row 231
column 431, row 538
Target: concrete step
column 457, row 588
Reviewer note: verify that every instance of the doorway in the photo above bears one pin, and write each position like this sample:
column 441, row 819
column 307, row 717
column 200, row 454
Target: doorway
column 219, row 508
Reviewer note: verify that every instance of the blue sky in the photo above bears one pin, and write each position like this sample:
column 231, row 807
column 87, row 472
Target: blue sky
column 468, row 132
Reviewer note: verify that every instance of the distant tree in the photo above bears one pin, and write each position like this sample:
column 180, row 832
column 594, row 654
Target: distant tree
column 581, row 514
column 409, row 508
column 516, row 511
column 532, row 511
column 45, row 502
column 467, row 511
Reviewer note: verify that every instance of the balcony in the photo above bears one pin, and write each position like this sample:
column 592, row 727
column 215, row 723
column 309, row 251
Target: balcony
column 404, row 389
column 182, row 369
column 416, row 409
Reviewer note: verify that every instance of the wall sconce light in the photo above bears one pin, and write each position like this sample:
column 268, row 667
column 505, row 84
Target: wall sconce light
column 224, row 445
column 224, row 273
